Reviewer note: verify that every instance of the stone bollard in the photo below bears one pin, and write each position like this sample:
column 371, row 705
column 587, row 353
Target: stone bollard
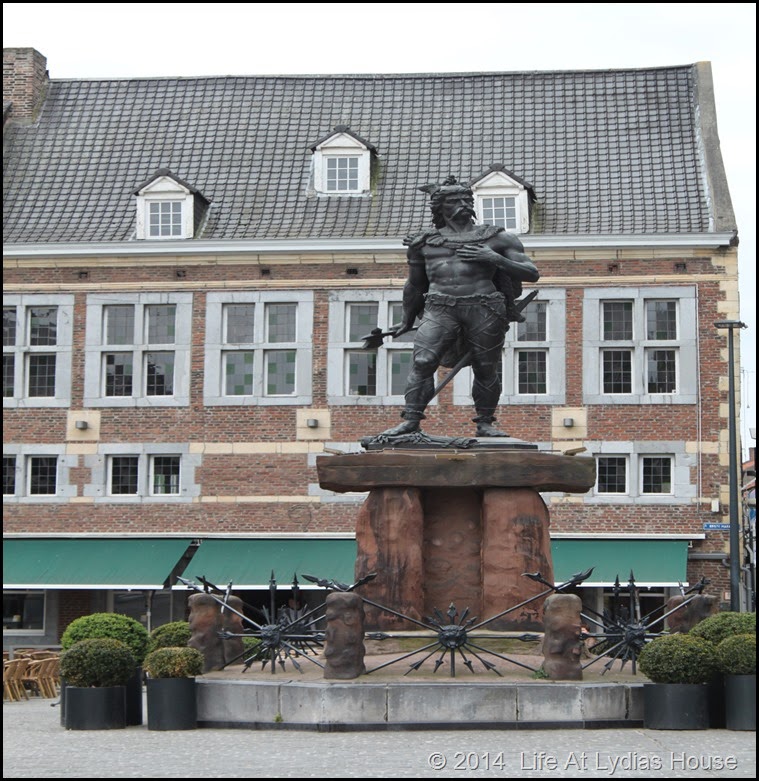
column 344, row 639
column 206, row 621
column 562, row 642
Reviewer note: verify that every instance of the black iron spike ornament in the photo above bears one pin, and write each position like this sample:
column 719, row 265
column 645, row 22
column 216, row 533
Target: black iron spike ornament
column 291, row 632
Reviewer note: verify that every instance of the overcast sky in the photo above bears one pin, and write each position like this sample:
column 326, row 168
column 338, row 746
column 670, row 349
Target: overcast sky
column 89, row 40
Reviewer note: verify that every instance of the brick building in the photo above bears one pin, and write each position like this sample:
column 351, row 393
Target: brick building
column 190, row 264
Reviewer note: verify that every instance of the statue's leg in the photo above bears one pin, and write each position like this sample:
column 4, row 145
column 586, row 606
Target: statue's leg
column 486, row 336
column 437, row 332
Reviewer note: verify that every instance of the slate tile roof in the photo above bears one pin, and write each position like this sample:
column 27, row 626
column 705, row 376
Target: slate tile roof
column 606, row 151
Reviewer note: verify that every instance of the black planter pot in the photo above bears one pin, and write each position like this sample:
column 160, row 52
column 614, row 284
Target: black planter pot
column 172, row 704
column 740, row 702
column 134, row 699
column 94, row 708
column 676, row 706
column 62, row 701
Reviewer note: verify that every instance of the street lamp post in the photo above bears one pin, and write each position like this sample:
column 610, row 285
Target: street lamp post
column 735, row 564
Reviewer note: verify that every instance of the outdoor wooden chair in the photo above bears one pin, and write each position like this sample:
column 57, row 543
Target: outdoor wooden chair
column 38, row 678
column 13, row 672
column 44, row 654
column 52, row 679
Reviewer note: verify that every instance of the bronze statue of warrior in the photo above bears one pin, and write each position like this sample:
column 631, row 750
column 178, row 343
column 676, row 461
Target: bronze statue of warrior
column 464, row 278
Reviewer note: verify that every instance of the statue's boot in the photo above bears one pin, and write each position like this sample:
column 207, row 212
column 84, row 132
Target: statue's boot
column 485, row 427
column 407, row 427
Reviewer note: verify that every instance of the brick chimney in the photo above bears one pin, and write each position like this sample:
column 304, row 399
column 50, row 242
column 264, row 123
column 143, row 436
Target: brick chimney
column 25, row 80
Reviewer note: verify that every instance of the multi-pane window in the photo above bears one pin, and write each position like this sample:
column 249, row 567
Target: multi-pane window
column 123, row 477
column 617, row 371
column 642, row 345
column 612, row 475
column 377, row 375
column 120, row 367
column 361, row 365
column 37, row 473
column 258, row 348
column 138, row 352
column 151, row 473
column 656, row 475
column 42, row 474
column 9, row 475
column 164, row 475
column 531, row 372
column 501, row 211
column 642, row 475
column 273, row 346
column 531, row 364
column 660, row 364
column 165, row 219
column 37, row 350
column 341, row 174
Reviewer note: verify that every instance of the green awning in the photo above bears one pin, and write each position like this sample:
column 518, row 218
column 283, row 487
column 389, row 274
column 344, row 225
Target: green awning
column 249, row 563
column 90, row 563
column 653, row 562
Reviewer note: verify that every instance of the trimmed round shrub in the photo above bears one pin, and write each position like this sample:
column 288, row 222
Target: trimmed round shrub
column 174, row 663
column 726, row 624
column 111, row 625
column 678, row 659
column 254, row 649
column 173, row 635
column 99, row 661
column 736, row 655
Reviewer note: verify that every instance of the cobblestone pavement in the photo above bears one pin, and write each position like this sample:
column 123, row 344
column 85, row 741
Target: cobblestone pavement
column 36, row 746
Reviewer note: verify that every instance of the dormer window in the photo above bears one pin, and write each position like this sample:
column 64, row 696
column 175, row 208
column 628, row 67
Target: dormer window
column 168, row 208
column 165, row 219
column 342, row 164
column 342, row 174
column 501, row 198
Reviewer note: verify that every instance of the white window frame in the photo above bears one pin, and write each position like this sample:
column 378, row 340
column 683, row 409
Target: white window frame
column 94, row 387
column 109, row 475
column 21, row 630
column 164, row 189
column 497, row 184
column 152, row 477
column 22, row 350
column 340, row 346
column 336, row 146
column 554, row 346
column 685, row 346
column 214, row 391
column 684, row 491
column 145, row 453
column 641, row 469
column 23, row 454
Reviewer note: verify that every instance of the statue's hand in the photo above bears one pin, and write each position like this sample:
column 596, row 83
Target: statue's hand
column 475, row 253
column 401, row 329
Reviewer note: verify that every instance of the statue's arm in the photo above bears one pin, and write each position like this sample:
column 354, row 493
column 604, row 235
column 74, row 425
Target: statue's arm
column 506, row 253
column 417, row 284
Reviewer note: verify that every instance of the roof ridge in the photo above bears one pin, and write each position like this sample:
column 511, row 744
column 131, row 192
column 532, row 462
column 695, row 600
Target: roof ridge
column 379, row 76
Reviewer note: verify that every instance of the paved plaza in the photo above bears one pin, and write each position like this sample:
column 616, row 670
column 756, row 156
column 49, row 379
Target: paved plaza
column 36, row 746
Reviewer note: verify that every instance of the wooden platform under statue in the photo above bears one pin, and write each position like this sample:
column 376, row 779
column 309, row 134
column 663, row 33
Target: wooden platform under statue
column 444, row 526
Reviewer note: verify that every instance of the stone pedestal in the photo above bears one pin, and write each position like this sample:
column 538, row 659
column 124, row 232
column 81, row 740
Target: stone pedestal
column 447, row 526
